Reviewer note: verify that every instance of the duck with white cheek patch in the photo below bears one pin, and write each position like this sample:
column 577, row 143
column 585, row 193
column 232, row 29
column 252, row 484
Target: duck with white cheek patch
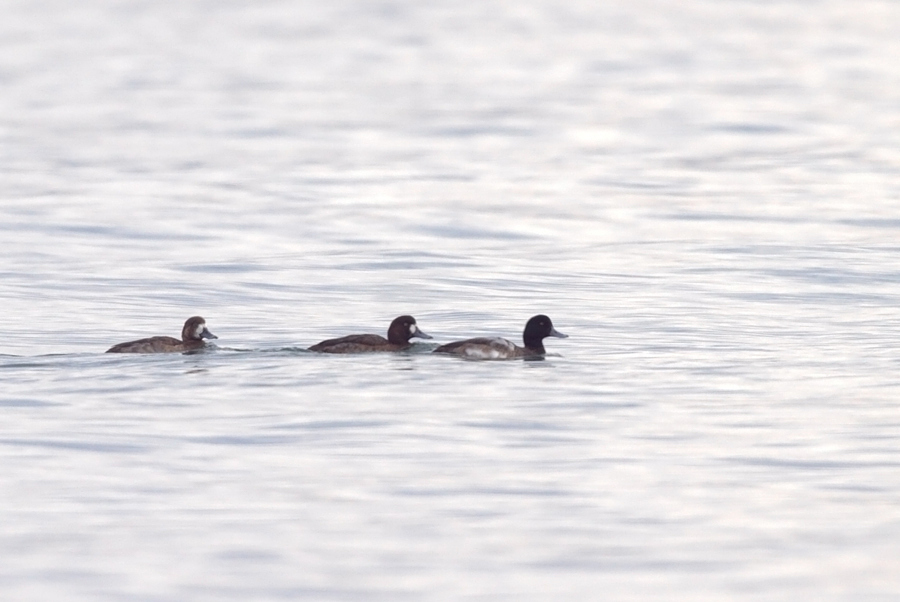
column 192, row 335
column 495, row 348
column 401, row 330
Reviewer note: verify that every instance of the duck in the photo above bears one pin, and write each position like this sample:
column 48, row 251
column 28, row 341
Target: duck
column 401, row 330
column 192, row 335
column 496, row 348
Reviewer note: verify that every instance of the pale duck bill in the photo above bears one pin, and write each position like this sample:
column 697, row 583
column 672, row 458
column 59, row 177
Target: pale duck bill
column 206, row 334
column 415, row 331
column 557, row 334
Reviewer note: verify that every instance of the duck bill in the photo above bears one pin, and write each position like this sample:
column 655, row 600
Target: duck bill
column 557, row 334
column 206, row 334
column 420, row 334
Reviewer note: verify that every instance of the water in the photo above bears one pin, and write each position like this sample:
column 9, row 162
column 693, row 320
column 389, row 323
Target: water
column 702, row 195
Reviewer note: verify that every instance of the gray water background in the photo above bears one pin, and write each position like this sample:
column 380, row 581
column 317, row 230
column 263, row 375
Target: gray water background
column 703, row 195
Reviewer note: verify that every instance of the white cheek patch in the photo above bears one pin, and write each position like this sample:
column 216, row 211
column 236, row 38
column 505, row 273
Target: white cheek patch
column 413, row 329
column 199, row 330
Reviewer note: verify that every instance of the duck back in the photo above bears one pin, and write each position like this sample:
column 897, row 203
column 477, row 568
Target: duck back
column 149, row 345
column 356, row 343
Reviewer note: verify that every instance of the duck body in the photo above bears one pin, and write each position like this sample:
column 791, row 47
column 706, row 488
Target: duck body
column 486, row 348
column 358, row 343
column 401, row 330
column 496, row 348
column 192, row 335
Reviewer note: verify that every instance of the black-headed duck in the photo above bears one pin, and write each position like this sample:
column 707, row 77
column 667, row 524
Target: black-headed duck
column 496, row 348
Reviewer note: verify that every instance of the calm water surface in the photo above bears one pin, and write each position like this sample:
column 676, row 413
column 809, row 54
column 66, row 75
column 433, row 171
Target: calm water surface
column 705, row 196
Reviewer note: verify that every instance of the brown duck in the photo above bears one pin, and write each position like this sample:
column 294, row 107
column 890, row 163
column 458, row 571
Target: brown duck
column 192, row 336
